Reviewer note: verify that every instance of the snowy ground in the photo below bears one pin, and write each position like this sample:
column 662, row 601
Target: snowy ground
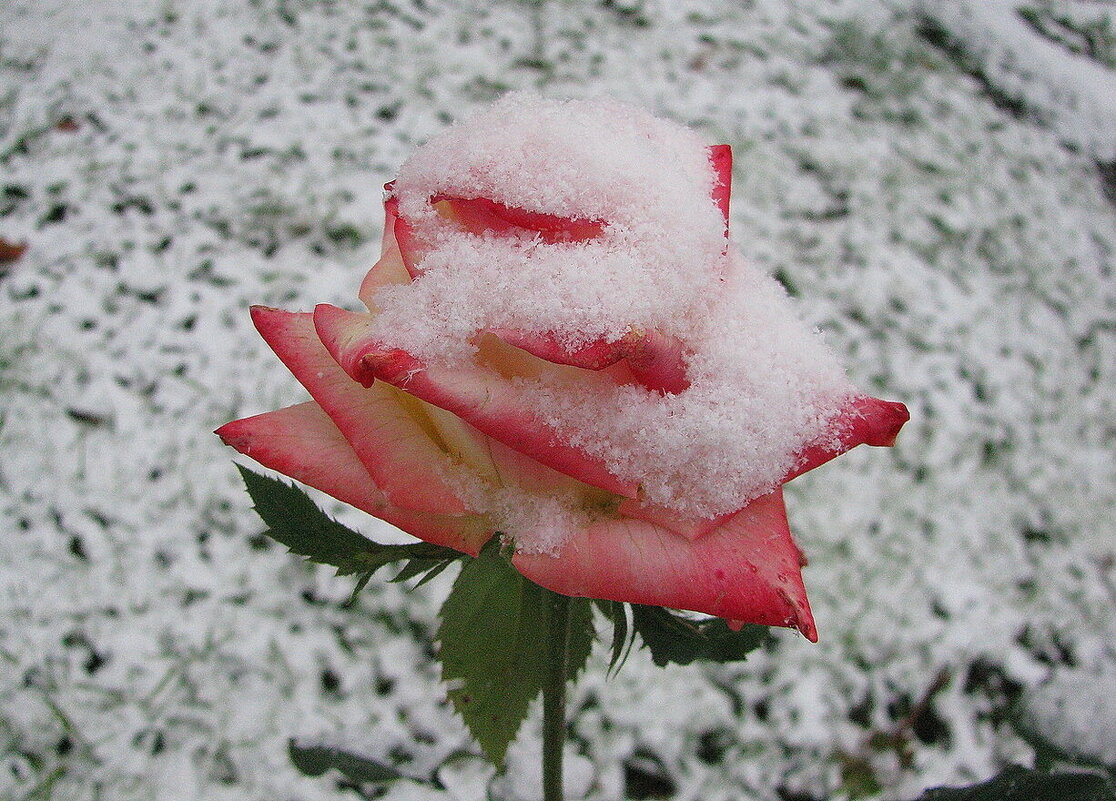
column 928, row 178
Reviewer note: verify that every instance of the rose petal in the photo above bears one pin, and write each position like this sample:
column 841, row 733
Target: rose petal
column 488, row 458
column 478, row 395
column 395, row 448
column 410, row 249
column 480, row 216
column 746, row 569
column 688, row 527
column 655, row 360
column 721, row 156
column 303, row 443
column 596, row 355
column 388, row 270
column 864, row 421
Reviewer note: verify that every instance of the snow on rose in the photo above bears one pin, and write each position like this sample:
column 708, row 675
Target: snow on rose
column 561, row 347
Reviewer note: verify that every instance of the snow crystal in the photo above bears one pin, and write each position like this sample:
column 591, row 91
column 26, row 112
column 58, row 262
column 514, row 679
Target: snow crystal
column 1078, row 710
column 762, row 386
column 538, row 521
column 649, row 181
column 1068, row 91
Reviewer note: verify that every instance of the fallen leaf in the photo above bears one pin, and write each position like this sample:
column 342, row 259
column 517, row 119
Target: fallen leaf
column 10, row 251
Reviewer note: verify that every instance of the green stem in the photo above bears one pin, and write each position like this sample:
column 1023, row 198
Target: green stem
column 554, row 695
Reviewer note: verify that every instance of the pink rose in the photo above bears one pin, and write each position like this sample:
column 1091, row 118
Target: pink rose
column 561, row 345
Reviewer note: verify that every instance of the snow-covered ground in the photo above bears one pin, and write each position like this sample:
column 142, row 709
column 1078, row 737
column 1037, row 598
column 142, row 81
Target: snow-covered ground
column 928, row 178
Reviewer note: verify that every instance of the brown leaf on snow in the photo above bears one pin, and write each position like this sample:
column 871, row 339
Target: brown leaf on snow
column 10, row 251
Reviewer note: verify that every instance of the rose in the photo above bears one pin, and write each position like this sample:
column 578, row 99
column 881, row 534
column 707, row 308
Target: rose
column 561, row 346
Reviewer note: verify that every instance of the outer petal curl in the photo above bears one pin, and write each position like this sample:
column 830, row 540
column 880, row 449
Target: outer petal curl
column 303, row 443
column 746, row 569
column 721, row 157
column 863, row 421
column 655, row 360
column 399, row 454
column 478, row 395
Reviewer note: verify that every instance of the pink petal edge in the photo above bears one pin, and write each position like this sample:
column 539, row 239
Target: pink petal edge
column 481, row 215
column 479, row 396
column 863, row 421
column 404, row 234
column 745, row 570
column 301, row 442
column 656, row 360
column 395, row 450
column 721, row 157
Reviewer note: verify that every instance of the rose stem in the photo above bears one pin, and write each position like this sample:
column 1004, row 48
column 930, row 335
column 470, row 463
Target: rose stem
column 554, row 696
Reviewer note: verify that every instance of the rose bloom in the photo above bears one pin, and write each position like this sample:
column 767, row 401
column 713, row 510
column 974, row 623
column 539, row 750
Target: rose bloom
column 562, row 347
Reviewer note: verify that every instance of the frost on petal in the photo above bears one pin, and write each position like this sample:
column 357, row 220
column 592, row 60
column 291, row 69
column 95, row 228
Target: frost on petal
column 653, row 359
column 688, row 526
column 612, row 259
column 390, row 269
column 399, row 453
column 721, row 156
column 863, row 421
column 479, row 395
column 746, row 569
column 585, row 219
column 301, row 442
column 480, row 215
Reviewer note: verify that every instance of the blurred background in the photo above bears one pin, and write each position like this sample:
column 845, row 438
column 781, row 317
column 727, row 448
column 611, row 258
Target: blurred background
column 935, row 183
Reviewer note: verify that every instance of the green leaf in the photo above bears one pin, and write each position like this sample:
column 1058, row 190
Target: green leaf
column 672, row 638
column 427, row 568
column 623, row 635
column 1021, row 784
column 493, row 651
column 296, row 522
column 314, row 760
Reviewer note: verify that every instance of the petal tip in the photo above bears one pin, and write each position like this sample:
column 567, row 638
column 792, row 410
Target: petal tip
column 341, row 333
column 261, row 313
column 897, row 415
column 233, row 435
column 804, row 622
